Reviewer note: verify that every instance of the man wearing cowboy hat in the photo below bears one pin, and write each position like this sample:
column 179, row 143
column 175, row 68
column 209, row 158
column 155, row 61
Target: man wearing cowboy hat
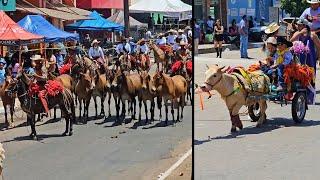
column 183, row 52
column 123, row 47
column 312, row 14
column 95, row 51
column 161, row 41
column 182, row 36
column 143, row 50
column 272, row 30
column 171, row 39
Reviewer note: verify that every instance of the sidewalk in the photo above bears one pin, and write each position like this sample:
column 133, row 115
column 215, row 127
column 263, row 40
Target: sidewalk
column 208, row 48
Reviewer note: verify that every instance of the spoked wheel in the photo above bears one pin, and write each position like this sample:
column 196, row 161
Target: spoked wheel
column 299, row 107
column 254, row 112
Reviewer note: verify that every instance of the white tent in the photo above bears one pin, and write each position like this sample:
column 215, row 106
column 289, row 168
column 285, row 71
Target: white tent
column 172, row 8
column 118, row 17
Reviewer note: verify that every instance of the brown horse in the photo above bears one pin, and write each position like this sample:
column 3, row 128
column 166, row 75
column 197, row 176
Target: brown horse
column 83, row 90
column 100, row 90
column 30, row 105
column 227, row 85
column 8, row 99
column 159, row 56
column 145, row 95
column 170, row 88
column 128, row 87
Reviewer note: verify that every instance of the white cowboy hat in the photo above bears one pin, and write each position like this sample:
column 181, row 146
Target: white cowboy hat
column 37, row 57
column 180, row 31
column 95, row 41
column 273, row 27
column 182, row 43
column 313, row 1
column 304, row 22
column 272, row 40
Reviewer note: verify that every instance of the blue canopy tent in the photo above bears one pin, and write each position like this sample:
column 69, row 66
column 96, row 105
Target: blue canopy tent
column 95, row 23
column 37, row 24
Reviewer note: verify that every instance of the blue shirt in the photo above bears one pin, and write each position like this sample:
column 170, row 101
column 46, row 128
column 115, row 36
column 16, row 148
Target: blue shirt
column 2, row 76
column 309, row 12
column 287, row 58
column 197, row 31
column 60, row 60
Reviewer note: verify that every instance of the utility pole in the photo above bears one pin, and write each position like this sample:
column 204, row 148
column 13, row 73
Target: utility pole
column 126, row 17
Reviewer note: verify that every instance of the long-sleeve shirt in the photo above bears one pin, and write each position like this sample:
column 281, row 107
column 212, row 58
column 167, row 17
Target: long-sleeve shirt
column 143, row 49
column 183, row 38
column 310, row 12
column 171, row 39
column 121, row 48
column 96, row 52
column 285, row 59
column 162, row 41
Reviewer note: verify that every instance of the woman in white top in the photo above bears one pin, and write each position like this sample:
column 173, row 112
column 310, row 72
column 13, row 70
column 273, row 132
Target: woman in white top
column 96, row 52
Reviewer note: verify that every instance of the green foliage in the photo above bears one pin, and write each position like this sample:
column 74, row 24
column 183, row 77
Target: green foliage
column 294, row 7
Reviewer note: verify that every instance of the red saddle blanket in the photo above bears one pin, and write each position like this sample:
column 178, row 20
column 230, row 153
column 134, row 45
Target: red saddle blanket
column 303, row 73
column 65, row 69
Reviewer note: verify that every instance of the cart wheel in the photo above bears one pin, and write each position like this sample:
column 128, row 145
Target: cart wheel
column 254, row 112
column 299, row 107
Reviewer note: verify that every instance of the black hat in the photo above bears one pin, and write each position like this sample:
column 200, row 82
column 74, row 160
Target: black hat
column 282, row 40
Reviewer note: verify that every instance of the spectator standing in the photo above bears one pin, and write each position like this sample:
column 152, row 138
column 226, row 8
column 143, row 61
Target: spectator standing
column 87, row 41
column 218, row 30
column 251, row 24
column 197, row 32
column 243, row 31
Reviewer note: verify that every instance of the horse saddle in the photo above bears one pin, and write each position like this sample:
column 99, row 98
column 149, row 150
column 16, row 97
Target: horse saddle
column 255, row 81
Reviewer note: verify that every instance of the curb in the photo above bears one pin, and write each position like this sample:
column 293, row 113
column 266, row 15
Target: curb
column 229, row 47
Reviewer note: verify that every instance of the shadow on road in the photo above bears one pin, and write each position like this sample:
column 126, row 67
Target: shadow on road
column 271, row 125
column 160, row 124
column 40, row 137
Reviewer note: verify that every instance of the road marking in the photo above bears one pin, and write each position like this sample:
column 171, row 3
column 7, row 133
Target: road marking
column 164, row 175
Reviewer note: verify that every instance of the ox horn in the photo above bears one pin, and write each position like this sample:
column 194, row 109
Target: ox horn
column 207, row 66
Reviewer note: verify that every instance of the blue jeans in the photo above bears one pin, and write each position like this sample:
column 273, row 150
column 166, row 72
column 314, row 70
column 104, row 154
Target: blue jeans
column 244, row 46
column 280, row 70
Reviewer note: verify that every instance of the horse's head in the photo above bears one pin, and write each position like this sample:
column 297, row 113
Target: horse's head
column 213, row 76
column 145, row 78
column 19, row 84
column 118, row 80
column 87, row 80
column 109, row 77
column 157, row 82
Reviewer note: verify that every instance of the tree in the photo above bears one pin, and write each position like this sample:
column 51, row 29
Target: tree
column 294, row 7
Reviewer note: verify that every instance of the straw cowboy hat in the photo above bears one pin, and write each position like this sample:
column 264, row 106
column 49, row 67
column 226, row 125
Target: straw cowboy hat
column 160, row 34
column 94, row 41
column 313, row 1
column 37, row 58
column 282, row 40
column 273, row 27
column 171, row 31
column 180, row 31
column 272, row 40
column 182, row 43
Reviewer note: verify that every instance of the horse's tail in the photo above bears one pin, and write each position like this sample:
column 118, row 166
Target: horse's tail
column 68, row 99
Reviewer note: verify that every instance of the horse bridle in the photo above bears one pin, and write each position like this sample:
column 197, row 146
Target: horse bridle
column 212, row 85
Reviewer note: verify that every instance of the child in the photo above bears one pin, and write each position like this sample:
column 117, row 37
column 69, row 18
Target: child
column 2, row 73
column 282, row 58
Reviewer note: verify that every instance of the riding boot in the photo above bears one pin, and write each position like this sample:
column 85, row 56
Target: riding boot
column 220, row 52
column 217, row 50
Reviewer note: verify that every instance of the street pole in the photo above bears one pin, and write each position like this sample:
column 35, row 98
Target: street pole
column 126, row 17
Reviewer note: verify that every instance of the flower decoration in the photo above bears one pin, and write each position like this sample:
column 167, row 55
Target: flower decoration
column 299, row 48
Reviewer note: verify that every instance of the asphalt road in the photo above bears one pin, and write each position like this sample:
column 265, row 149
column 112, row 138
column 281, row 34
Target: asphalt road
column 279, row 150
column 134, row 152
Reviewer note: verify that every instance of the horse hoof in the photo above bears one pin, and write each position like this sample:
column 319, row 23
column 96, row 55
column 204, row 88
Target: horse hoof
column 70, row 133
column 258, row 125
column 233, row 130
column 240, row 127
column 64, row 134
column 35, row 138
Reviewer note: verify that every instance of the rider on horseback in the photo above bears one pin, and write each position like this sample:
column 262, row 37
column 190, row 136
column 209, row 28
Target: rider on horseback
column 96, row 52
column 143, row 50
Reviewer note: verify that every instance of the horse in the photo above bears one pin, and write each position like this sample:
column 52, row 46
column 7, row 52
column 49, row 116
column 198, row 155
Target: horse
column 83, row 90
column 159, row 56
column 232, row 91
column 100, row 90
column 30, row 105
column 145, row 95
column 128, row 87
column 8, row 99
column 173, row 89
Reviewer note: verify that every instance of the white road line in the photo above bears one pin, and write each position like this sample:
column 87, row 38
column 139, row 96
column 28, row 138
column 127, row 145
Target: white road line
column 164, row 175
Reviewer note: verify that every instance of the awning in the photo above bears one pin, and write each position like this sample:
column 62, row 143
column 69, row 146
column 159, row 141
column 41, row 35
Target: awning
column 64, row 15
column 78, row 11
column 98, row 4
column 14, row 35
